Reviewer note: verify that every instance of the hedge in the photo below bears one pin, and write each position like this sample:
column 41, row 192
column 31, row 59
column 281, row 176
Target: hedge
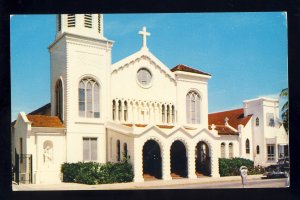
column 231, row 167
column 96, row 173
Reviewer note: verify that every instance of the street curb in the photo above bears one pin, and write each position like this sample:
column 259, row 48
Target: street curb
column 133, row 185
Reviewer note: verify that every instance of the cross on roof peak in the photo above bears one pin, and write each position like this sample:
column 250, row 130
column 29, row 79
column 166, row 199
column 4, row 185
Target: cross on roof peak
column 144, row 34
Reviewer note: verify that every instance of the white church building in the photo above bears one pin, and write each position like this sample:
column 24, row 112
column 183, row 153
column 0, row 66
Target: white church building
column 155, row 115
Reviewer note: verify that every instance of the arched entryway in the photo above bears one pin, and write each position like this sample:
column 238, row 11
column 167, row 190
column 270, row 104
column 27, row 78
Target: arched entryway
column 203, row 159
column 178, row 160
column 152, row 166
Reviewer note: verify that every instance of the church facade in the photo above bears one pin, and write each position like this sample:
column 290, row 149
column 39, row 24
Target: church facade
column 138, row 109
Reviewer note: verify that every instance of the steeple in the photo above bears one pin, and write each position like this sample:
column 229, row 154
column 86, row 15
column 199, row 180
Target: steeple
column 90, row 25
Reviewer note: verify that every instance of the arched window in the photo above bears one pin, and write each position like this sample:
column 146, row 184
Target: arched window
column 89, row 97
column 257, row 121
column 88, row 20
column 118, row 150
column 222, row 150
column 173, row 114
column 120, row 110
column 114, row 110
column 125, row 111
column 71, row 21
column 59, row 100
column 125, row 150
column 247, row 146
column 230, row 150
column 257, row 149
column 193, row 107
column 96, row 108
column 168, row 114
column 163, row 113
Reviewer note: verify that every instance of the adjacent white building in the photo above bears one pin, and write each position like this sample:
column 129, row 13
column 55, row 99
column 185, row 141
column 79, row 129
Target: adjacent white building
column 136, row 108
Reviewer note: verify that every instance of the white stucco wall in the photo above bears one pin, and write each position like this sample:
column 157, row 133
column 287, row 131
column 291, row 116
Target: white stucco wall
column 185, row 83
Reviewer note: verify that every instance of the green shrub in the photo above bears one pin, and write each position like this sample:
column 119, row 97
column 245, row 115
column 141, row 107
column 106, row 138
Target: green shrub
column 96, row 173
column 231, row 167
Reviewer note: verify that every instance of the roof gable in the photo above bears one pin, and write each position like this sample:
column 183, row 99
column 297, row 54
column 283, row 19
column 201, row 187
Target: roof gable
column 235, row 118
column 136, row 57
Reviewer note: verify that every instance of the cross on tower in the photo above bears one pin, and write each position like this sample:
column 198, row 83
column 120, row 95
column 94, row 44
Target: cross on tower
column 144, row 33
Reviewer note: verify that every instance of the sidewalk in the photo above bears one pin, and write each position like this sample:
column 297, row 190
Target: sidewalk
column 127, row 186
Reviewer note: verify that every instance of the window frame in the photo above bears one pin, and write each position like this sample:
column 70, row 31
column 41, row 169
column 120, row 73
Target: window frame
column 87, row 98
column 90, row 152
column 193, row 107
column 59, row 109
column 257, row 121
column 271, row 156
column 247, row 146
column 223, row 154
column 125, row 150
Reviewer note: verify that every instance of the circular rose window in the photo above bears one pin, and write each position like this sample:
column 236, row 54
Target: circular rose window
column 144, row 77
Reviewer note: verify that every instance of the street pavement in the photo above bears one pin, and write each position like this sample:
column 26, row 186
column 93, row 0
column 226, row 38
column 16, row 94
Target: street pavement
column 253, row 181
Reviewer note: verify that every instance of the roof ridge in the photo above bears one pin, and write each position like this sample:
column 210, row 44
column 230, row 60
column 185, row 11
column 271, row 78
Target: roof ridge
column 183, row 67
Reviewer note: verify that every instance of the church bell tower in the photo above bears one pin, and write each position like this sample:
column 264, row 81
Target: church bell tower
column 79, row 54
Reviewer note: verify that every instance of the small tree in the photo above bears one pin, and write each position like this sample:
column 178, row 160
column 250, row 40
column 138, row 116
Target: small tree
column 285, row 109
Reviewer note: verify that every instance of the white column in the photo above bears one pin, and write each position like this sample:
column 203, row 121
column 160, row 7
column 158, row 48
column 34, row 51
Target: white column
column 214, row 156
column 129, row 112
column 166, row 163
column 138, row 163
column 191, row 162
column 122, row 112
column 151, row 115
column 134, row 113
column 138, row 115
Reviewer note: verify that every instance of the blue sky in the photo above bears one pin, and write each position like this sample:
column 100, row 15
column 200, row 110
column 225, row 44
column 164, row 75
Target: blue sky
column 246, row 53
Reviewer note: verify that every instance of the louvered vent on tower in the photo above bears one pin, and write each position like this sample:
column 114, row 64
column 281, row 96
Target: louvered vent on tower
column 58, row 22
column 71, row 20
column 99, row 23
column 88, row 20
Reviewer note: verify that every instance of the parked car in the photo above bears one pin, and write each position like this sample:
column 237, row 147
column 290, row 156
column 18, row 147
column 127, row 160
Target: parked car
column 279, row 170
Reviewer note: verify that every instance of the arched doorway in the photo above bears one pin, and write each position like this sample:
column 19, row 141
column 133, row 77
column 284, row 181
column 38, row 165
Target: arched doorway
column 202, row 159
column 152, row 160
column 178, row 160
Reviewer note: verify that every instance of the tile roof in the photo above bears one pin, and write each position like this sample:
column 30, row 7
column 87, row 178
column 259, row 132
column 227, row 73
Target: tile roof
column 137, row 125
column 144, row 125
column 45, row 121
column 224, row 130
column 185, row 68
column 165, row 126
column 236, row 117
